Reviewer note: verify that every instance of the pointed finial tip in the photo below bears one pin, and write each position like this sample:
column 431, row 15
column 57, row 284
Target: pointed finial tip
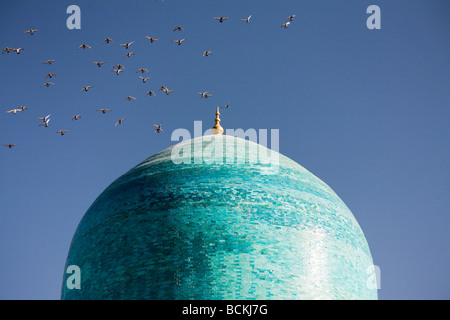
column 217, row 129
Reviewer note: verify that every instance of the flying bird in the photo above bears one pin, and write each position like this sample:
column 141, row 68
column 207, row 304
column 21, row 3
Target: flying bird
column 204, row 94
column 117, row 71
column 221, row 19
column 151, row 39
column 31, row 31
column 165, row 89
column 142, row 70
column 130, row 98
column 127, row 45
column 84, row 46
column 99, row 64
column 103, row 110
column 144, row 79
column 9, row 145
column 119, row 66
column 285, row 25
column 7, row 49
column 178, row 41
column 150, row 93
column 108, row 40
column 48, row 84
column 158, row 128
column 22, row 108
column 247, row 20
column 45, row 123
column 44, row 119
column 86, row 88
column 14, row 111
column 129, row 54
column 119, row 122
column 62, row 132
column 49, row 61
column 18, row 50
column 225, row 106
column 50, row 75
column 207, row 53
column 179, row 28
column 290, row 18
column 76, row 117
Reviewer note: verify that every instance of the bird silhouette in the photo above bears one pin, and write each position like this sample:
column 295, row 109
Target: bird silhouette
column 179, row 42
column 151, row 39
column 221, row 19
column 62, row 132
column 31, row 31
column 127, row 45
column 9, row 145
column 247, row 20
column 49, row 61
column 119, row 122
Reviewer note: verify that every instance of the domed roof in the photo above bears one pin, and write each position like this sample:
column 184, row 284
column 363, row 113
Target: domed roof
column 219, row 217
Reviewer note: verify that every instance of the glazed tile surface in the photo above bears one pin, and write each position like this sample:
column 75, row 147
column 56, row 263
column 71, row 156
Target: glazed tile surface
column 219, row 217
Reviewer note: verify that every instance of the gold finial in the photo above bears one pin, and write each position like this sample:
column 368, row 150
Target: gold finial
column 217, row 129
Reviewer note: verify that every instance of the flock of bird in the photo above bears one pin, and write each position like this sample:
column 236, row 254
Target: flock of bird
column 118, row 68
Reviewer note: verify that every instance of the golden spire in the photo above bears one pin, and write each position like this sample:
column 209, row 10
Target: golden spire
column 217, row 129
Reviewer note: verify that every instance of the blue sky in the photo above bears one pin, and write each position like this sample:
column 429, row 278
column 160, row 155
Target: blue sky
column 367, row 111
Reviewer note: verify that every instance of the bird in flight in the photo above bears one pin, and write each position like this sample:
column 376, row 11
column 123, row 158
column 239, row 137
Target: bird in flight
column 150, row 93
column 119, row 122
column 13, row 111
column 76, row 117
column 50, row 75
column 119, row 66
column 144, row 79
column 84, row 46
column 45, row 123
column 285, row 25
column 22, row 108
column 44, row 119
column 247, row 20
column 142, row 70
column 130, row 98
column 86, row 88
column 207, row 53
column 117, row 71
column 151, row 39
column 178, row 41
column 204, row 94
column 290, row 18
column 18, row 50
column 225, row 106
column 9, row 145
column 221, row 19
column 165, row 89
column 179, row 28
column 7, row 50
column 99, row 64
column 48, row 84
column 62, row 132
column 129, row 54
column 158, row 128
column 49, row 61
column 103, row 110
column 108, row 40
column 127, row 45
column 31, row 31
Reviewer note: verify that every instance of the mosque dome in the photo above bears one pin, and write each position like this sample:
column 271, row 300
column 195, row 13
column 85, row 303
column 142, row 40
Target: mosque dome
column 219, row 217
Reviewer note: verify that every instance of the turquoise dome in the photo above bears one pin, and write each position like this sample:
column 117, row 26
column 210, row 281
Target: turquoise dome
column 219, row 217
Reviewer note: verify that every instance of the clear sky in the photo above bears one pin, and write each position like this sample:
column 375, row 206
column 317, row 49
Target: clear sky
column 367, row 111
